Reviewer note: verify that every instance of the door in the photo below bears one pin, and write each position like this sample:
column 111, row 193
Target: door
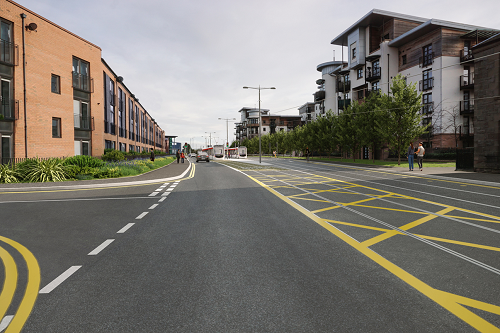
column 6, row 149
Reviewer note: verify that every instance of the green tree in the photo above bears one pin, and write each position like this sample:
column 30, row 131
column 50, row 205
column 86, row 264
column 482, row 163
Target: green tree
column 400, row 122
column 369, row 122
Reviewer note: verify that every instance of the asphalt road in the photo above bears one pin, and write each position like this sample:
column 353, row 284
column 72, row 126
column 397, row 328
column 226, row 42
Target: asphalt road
column 302, row 247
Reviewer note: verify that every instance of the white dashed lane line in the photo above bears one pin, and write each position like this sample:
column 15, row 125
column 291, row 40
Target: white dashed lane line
column 125, row 228
column 162, row 199
column 153, row 207
column 58, row 280
column 154, row 194
column 141, row 216
column 165, row 194
column 101, row 247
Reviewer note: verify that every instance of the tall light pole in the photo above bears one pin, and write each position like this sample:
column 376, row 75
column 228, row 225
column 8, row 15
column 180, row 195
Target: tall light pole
column 260, row 120
column 227, row 129
column 210, row 135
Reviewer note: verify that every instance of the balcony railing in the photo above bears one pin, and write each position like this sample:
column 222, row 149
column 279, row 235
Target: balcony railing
column 426, row 84
column 467, row 106
column 85, row 123
column 109, row 127
column 373, row 74
column 9, row 110
column 8, row 52
column 83, row 82
column 466, row 130
column 343, row 86
column 467, row 81
column 466, row 55
column 344, row 103
column 427, row 108
column 319, row 95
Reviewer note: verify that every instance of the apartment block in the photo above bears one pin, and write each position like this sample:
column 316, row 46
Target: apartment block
column 435, row 55
column 53, row 100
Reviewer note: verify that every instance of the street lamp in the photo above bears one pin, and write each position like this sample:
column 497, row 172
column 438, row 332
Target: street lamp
column 227, row 130
column 260, row 120
column 210, row 135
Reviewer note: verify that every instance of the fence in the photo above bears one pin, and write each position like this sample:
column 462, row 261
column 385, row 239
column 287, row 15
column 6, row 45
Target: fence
column 14, row 161
column 465, row 159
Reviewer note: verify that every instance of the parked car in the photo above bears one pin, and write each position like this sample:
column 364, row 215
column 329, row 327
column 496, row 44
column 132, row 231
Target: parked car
column 202, row 157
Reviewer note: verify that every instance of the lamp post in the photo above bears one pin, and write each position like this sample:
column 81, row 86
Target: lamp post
column 210, row 136
column 227, row 130
column 260, row 120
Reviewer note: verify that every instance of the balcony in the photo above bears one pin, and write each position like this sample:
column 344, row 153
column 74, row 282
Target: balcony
column 466, row 55
column 427, row 108
column 344, row 103
column 466, row 131
column 373, row 74
column 83, row 82
column 319, row 95
column 8, row 53
column 84, row 123
column 109, row 128
column 467, row 107
column 343, row 86
column 467, row 81
column 9, row 110
column 426, row 84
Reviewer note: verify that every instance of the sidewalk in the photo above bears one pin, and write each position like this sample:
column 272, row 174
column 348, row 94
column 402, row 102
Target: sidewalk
column 166, row 173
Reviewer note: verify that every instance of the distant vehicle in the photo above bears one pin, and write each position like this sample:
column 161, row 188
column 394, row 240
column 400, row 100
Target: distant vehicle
column 202, row 156
column 219, row 151
column 242, row 152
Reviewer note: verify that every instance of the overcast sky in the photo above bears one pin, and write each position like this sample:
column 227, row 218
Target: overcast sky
column 187, row 61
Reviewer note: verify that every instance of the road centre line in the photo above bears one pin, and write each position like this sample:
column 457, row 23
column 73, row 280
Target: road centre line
column 452, row 303
column 153, row 206
column 170, row 189
column 154, row 194
column 60, row 279
column 164, row 194
column 125, row 228
column 141, row 215
column 440, row 247
column 162, row 199
column 101, row 247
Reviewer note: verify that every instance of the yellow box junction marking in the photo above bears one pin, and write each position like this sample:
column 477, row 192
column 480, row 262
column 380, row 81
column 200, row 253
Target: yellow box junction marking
column 451, row 302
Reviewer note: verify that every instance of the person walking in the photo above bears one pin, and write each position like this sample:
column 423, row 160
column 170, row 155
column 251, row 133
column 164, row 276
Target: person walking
column 307, row 154
column 420, row 155
column 152, row 155
column 411, row 155
column 182, row 157
column 178, row 155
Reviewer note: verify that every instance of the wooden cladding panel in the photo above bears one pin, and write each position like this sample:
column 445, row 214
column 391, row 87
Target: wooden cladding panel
column 374, row 38
column 400, row 27
column 413, row 49
column 452, row 44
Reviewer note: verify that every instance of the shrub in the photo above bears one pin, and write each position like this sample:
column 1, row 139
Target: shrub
column 72, row 170
column 84, row 161
column 8, row 174
column 108, row 173
column 114, row 155
column 51, row 170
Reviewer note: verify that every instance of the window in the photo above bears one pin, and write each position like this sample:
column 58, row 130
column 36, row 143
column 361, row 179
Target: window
column 427, row 80
column 427, row 55
column 375, row 86
column 427, row 106
column 55, row 84
column 403, row 59
column 7, row 49
column 361, row 94
column 108, row 144
column 56, row 127
column 360, row 73
column 354, row 53
column 81, row 72
column 131, row 148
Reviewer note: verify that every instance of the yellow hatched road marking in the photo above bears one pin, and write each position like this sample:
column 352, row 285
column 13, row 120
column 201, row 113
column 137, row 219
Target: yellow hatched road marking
column 10, row 282
column 357, row 225
column 473, row 219
column 32, row 287
column 449, row 303
column 392, row 209
column 317, row 200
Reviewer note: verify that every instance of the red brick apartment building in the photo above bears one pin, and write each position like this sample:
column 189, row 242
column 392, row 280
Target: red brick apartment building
column 59, row 97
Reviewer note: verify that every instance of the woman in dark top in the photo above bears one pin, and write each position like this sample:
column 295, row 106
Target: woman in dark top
column 411, row 155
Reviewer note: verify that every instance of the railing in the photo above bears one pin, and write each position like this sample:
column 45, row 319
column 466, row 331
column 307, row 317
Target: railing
column 8, row 52
column 84, row 123
column 426, row 84
column 9, row 110
column 427, row 108
column 344, row 103
column 109, row 127
column 83, row 82
column 467, row 106
column 319, row 95
column 467, row 81
column 466, row 130
column 13, row 161
column 466, row 55
column 343, row 86
column 373, row 74
column 426, row 60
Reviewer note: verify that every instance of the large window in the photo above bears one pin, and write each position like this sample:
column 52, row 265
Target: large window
column 427, row 104
column 56, row 127
column 360, row 73
column 427, row 80
column 81, row 75
column 131, row 119
column 7, row 48
column 427, row 55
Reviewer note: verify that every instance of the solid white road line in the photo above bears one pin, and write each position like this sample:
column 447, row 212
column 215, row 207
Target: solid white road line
column 162, row 199
column 154, row 194
column 60, row 279
column 153, row 207
column 165, row 194
column 101, row 247
column 125, row 228
column 141, row 216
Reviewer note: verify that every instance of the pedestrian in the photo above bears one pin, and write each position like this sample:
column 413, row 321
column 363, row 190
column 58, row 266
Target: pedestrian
column 178, row 155
column 411, row 155
column 420, row 155
column 182, row 157
column 307, row 154
column 152, row 155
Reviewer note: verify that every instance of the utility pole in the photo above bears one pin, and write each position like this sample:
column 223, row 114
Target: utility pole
column 227, row 131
